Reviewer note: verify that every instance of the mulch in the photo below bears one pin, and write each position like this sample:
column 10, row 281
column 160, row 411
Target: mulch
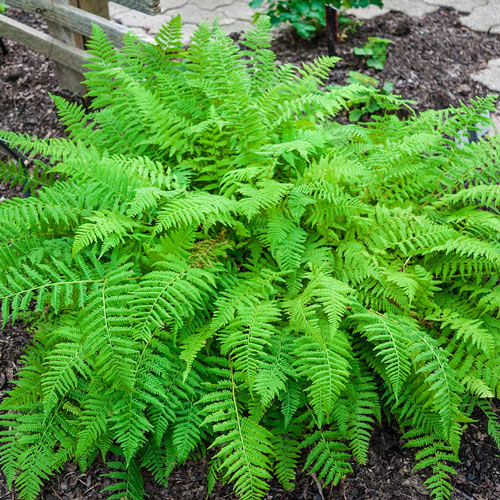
column 430, row 61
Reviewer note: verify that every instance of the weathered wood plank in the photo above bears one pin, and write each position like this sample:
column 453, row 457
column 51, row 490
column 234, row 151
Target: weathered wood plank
column 43, row 43
column 97, row 7
column 151, row 7
column 73, row 18
column 69, row 79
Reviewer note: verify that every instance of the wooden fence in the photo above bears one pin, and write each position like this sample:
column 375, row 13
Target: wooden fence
column 69, row 23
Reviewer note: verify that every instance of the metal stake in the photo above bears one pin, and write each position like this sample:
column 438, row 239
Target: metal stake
column 332, row 28
column 5, row 51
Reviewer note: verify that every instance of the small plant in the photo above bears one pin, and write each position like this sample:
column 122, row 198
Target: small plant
column 373, row 101
column 3, row 6
column 347, row 26
column 306, row 16
column 211, row 261
column 375, row 51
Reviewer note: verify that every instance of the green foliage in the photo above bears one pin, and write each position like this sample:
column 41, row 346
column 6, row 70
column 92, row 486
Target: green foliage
column 307, row 16
column 3, row 6
column 369, row 104
column 211, row 261
column 375, row 51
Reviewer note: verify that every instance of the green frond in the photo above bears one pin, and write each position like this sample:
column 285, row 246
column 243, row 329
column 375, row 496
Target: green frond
column 287, row 451
column 145, row 198
column 187, row 434
column 261, row 59
column 51, row 209
column 193, row 209
column 106, row 331
column 159, row 461
column 390, row 343
column 65, row 364
column 106, row 227
column 472, row 249
column 128, row 485
column 168, row 296
column 326, row 365
column 431, row 362
column 291, row 399
column 129, row 426
column 55, row 284
column 286, row 241
column 267, row 194
column 329, row 457
column 493, row 421
column 74, row 118
column 44, row 444
column 435, row 454
column 15, row 174
column 245, row 446
column 482, row 195
column 93, row 422
column 169, row 37
column 355, row 412
column 275, row 371
column 249, row 336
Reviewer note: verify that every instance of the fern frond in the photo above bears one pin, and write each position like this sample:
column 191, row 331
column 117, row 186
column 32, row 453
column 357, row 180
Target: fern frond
column 431, row 362
column 286, row 449
column 249, row 336
column 194, row 209
column 245, row 446
column 434, row 454
column 187, row 435
column 493, row 421
column 128, row 483
column 390, row 340
column 106, row 332
column 129, row 425
column 326, row 365
column 106, row 227
column 65, row 364
column 169, row 37
column 168, row 296
column 329, row 457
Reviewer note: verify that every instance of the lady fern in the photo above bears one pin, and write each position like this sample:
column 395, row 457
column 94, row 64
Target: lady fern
column 210, row 260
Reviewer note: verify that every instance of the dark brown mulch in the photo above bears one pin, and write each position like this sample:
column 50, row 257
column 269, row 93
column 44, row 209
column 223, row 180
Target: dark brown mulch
column 430, row 61
column 26, row 79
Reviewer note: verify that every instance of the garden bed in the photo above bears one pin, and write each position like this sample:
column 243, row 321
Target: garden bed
column 434, row 80
column 430, row 61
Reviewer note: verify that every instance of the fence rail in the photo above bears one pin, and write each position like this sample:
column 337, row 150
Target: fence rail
column 71, row 17
column 69, row 22
column 47, row 45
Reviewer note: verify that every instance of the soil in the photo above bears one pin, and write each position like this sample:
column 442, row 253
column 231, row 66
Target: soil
column 430, row 61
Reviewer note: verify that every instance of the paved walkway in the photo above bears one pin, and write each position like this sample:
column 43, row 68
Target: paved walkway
column 236, row 15
column 233, row 15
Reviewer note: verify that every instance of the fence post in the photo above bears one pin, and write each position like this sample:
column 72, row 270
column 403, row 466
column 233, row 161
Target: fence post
column 69, row 78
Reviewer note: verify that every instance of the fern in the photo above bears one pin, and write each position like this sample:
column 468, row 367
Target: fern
column 245, row 445
column 210, row 260
column 329, row 457
column 128, row 481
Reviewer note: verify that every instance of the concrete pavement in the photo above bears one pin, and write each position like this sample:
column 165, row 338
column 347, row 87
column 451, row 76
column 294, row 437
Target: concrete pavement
column 232, row 15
